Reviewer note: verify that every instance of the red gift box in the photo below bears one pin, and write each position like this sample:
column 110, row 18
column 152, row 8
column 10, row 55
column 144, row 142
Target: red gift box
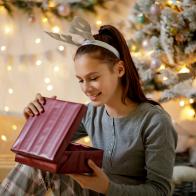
column 44, row 141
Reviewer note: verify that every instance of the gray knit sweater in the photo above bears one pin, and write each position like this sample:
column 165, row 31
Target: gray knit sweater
column 139, row 149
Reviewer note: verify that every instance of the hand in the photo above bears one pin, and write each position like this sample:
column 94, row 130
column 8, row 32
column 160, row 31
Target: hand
column 98, row 182
column 36, row 106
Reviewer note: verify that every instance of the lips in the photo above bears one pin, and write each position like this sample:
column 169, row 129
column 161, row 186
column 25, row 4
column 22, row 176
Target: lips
column 93, row 97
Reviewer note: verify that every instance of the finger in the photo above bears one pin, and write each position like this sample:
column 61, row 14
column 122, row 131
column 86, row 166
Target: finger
column 38, row 106
column 27, row 112
column 40, row 99
column 95, row 168
column 33, row 108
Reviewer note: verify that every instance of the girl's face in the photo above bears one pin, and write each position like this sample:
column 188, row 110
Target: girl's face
column 97, row 81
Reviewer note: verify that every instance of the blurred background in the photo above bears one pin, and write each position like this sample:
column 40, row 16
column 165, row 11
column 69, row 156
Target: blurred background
column 161, row 36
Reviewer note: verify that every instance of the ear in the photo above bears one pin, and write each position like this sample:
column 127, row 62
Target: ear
column 119, row 68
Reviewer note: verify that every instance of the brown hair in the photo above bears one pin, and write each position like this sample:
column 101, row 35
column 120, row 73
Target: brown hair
column 130, row 80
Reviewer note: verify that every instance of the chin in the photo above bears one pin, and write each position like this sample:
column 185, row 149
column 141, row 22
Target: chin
column 97, row 104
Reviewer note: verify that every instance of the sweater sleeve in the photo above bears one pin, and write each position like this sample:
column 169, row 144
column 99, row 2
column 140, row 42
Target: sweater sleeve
column 81, row 132
column 159, row 140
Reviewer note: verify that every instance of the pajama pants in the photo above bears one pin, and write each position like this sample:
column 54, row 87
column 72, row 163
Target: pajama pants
column 23, row 180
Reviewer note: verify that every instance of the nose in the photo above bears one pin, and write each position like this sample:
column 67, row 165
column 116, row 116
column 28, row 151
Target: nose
column 86, row 87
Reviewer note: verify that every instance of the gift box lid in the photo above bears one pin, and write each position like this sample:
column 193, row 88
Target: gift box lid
column 46, row 136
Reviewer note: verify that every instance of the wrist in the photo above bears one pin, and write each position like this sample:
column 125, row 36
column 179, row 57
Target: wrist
column 107, row 187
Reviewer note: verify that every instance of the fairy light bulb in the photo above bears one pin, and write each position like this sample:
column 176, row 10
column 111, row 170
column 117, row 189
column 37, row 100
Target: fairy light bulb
column 3, row 48
column 47, row 80
column 182, row 103
column 4, row 138
column 8, row 29
column 165, row 78
column 10, row 91
column 49, row 87
column 99, row 22
column 56, row 68
column 44, row 20
column 170, row 2
column 37, row 40
column 184, row 70
column 55, row 29
column 162, row 67
column 9, row 67
column 191, row 101
column 133, row 48
column 61, row 48
column 2, row 10
column 51, row 4
column 187, row 113
column 6, row 108
column 38, row 62
column 14, row 127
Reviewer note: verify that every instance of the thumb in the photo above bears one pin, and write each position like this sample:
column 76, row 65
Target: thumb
column 54, row 97
column 93, row 166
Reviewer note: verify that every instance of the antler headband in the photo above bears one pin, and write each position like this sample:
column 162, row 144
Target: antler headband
column 81, row 27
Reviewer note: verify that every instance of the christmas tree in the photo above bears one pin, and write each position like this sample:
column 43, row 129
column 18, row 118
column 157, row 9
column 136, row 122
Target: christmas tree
column 162, row 41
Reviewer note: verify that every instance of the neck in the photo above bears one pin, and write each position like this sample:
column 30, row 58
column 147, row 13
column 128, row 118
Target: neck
column 119, row 110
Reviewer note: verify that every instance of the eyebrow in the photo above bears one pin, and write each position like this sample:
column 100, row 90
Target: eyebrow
column 89, row 74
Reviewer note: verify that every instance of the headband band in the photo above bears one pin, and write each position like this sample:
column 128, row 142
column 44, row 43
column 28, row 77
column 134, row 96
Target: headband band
column 81, row 27
column 103, row 45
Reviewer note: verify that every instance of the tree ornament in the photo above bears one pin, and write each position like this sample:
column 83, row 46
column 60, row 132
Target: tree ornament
column 155, row 10
column 64, row 9
column 155, row 63
column 140, row 18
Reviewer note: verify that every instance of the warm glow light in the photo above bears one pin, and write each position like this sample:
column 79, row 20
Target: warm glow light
column 162, row 67
column 86, row 139
column 61, row 48
column 2, row 10
column 191, row 101
column 184, row 70
column 165, row 78
column 47, row 80
column 38, row 62
column 3, row 48
column 6, row 108
column 56, row 68
column 133, row 48
column 44, row 20
column 99, row 22
column 181, row 103
column 4, row 138
column 149, row 53
column 187, row 113
column 9, row 67
column 7, row 29
column 55, row 29
column 145, row 43
column 51, row 4
column 37, row 40
column 10, row 91
column 49, row 87
column 14, row 127
column 169, row 2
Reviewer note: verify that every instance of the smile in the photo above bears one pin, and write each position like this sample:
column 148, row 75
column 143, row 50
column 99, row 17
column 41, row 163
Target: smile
column 93, row 97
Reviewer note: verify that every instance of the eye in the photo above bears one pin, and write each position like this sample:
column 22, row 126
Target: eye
column 80, row 81
column 94, row 78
